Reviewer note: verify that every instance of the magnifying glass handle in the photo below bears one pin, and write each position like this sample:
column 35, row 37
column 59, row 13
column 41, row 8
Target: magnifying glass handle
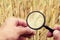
column 51, row 30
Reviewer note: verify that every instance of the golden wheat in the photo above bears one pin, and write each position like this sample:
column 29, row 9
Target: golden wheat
column 21, row 8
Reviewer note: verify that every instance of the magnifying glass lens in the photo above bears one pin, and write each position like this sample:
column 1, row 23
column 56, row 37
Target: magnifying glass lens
column 35, row 20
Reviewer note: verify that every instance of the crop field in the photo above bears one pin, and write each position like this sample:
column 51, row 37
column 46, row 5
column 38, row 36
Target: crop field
column 21, row 8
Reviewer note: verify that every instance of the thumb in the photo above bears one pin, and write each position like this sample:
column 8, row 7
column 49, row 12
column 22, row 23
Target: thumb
column 56, row 35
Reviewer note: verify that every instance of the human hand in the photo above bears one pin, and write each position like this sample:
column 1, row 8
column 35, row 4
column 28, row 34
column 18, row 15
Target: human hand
column 56, row 33
column 15, row 29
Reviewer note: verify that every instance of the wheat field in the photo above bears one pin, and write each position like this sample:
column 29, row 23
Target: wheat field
column 21, row 8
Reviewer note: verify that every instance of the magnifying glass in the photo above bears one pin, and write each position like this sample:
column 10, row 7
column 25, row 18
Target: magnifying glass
column 36, row 20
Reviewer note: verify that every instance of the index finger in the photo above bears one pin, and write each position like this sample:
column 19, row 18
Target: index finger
column 22, row 22
column 13, row 21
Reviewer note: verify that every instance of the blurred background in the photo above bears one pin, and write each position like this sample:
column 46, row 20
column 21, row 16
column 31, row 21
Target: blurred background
column 21, row 8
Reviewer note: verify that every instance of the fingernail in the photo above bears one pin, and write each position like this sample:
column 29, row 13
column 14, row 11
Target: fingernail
column 56, row 32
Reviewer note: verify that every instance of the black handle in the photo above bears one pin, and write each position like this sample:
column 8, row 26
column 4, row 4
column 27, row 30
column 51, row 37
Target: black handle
column 51, row 30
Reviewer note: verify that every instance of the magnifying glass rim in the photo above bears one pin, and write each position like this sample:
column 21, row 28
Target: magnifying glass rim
column 30, row 14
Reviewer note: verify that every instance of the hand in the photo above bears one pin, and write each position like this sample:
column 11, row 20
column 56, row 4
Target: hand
column 56, row 33
column 15, row 29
